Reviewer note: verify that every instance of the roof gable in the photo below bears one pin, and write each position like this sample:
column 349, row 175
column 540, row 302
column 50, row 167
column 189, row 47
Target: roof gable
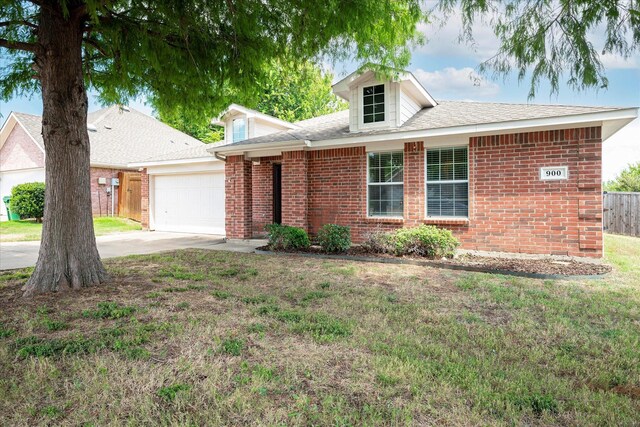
column 407, row 81
column 119, row 136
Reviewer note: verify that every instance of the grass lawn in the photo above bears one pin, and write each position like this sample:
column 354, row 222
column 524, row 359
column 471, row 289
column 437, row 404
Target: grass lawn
column 200, row 337
column 22, row 231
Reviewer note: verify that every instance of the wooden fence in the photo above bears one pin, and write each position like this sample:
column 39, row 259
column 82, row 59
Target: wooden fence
column 622, row 213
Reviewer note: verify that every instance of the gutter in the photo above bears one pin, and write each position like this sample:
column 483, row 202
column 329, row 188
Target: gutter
column 240, row 149
column 171, row 162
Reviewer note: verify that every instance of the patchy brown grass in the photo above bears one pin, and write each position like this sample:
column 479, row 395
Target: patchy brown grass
column 210, row 338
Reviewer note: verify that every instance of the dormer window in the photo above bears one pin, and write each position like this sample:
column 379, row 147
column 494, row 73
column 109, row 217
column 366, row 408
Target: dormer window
column 373, row 104
column 239, row 130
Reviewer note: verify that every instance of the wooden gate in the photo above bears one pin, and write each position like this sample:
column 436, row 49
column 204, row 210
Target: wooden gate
column 130, row 195
column 622, row 213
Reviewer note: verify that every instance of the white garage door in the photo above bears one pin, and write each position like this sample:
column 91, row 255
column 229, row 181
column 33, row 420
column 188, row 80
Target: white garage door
column 190, row 203
column 10, row 179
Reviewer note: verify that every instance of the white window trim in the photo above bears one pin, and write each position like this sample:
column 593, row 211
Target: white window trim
column 450, row 181
column 383, row 124
column 384, row 183
column 246, row 128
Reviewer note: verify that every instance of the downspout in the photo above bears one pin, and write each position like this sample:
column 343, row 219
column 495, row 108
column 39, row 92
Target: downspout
column 219, row 156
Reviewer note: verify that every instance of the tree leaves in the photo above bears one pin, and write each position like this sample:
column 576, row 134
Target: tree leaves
column 554, row 39
column 200, row 53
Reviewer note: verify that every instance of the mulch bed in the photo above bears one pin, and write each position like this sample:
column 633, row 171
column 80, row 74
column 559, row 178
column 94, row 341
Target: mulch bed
column 544, row 266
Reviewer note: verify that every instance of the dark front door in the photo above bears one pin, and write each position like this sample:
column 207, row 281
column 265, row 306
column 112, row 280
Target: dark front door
column 277, row 194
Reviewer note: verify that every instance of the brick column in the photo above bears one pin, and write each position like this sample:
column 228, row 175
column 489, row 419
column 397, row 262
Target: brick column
column 295, row 189
column 238, row 205
column 144, row 199
column 414, row 188
column 589, row 190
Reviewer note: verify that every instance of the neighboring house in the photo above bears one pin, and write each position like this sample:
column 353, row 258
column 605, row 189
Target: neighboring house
column 503, row 177
column 118, row 136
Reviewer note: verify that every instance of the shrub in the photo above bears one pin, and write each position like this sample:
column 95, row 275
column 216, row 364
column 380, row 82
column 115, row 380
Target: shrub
column 425, row 241
column 334, row 238
column 27, row 200
column 285, row 237
column 379, row 242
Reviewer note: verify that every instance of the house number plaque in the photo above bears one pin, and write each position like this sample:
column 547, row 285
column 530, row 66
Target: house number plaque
column 554, row 173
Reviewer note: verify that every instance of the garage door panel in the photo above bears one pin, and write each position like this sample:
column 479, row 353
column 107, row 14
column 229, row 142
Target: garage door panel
column 190, row 203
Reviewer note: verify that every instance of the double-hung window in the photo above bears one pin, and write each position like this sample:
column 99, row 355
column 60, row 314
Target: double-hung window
column 385, row 177
column 239, row 130
column 448, row 182
column 373, row 104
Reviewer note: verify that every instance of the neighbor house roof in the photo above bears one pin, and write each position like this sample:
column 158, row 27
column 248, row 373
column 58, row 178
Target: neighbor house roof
column 446, row 114
column 122, row 135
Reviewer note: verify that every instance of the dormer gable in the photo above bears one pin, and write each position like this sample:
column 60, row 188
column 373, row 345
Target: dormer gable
column 242, row 123
column 378, row 102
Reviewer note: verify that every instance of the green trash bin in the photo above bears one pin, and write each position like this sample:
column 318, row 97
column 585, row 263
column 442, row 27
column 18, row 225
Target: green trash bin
column 12, row 215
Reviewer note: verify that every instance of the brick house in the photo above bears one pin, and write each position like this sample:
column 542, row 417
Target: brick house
column 503, row 177
column 118, row 136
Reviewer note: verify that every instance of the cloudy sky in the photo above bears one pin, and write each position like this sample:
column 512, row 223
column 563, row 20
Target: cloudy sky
column 447, row 70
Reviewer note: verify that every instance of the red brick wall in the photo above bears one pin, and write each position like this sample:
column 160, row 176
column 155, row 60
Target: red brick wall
column 100, row 200
column 238, row 198
column 144, row 202
column 294, row 188
column 514, row 211
column 511, row 209
column 262, row 184
column 20, row 152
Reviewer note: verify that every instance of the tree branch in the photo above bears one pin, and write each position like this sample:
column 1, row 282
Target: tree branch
column 97, row 46
column 29, row 47
column 27, row 23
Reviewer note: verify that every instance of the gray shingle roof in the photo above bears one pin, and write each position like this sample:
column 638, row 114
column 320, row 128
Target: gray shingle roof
column 33, row 126
column 124, row 137
column 188, row 153
column 444, row 115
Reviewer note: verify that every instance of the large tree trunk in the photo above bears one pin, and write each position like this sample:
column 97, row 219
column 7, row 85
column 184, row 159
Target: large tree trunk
column 68, row 257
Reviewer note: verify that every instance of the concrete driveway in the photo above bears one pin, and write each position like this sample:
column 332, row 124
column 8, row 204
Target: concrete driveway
column 25, row 254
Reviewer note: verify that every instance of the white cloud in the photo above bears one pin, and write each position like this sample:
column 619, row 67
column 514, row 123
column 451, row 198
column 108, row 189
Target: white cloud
column 444, row 39
column 454, row 83
column 621, row 150
column 612, row 62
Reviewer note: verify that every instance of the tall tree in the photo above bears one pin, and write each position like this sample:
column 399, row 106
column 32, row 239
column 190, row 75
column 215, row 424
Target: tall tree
column 546, row 39
column 295, row 92
column 195, row 52
column 290, row 91
column 628, row 180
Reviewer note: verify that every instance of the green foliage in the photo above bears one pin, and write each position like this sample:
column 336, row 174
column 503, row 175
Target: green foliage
column 200, row 55
column 109, row 310
column 54, row 325
column 322, row 327
column 296, row 92
column 221, row 294
column 334, row 238
column 232, row 346
column 425, row 241
column 27, row 200
column 199, row 127
column 627, row 181
column 6, row 332
column 290, row 92
column 547, row 38
column 169, row 393
column 285, row 237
